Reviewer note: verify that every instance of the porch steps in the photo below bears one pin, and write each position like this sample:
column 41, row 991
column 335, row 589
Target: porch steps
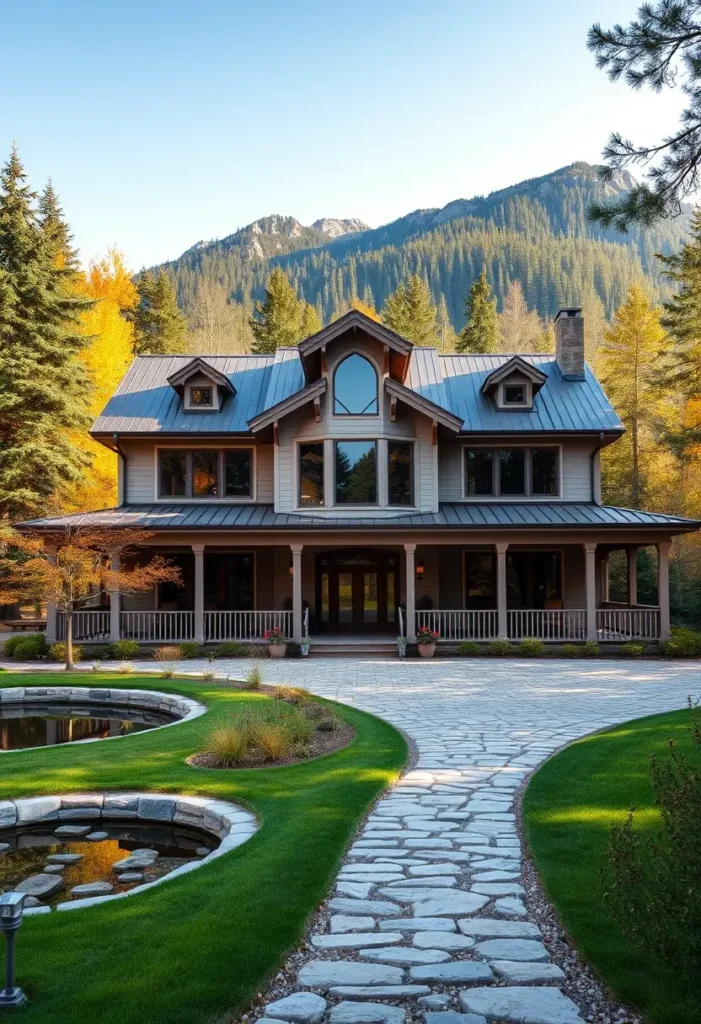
column 353, row 647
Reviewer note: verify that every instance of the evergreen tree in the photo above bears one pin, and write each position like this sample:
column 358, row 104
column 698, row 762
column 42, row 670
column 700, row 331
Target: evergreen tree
column 682, row 314
column 159, row 326
column 278, row 319
column 410, row 312
column 311, row 322
column 44, row 388
column 447, row 338
column 481, row 332
column 522, row 330
column 57, row 235
column 365, row 307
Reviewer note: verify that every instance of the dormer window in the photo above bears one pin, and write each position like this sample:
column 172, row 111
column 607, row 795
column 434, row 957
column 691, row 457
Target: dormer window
column 514, row 385
column 514, row 394
column 355, row 387
column 201, row 396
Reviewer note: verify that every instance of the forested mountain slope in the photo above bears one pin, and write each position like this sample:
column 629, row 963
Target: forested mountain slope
column 536, row 232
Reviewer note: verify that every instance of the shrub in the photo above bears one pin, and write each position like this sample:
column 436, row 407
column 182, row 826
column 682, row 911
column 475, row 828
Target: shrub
column 571, row 651
column 499, row 648
column 8, row 648
column 229, row 743
column 101, row 652
column 258, row 651
column 468, row 649
column 254, row 677
column 126, row 649
column 171, row 652
column 650, row 883
column 283, row 693
column 57, row 651
column 633, row 650
column 273, row 739
column 191, row 649
column 313, row 711
column 590, row 649
column 230, row 649
column 29, row 648
column 684, row 643
column 532, row 647
column 328, row 724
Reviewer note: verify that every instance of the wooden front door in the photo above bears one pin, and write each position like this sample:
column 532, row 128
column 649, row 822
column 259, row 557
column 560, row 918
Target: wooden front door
column 356, row 592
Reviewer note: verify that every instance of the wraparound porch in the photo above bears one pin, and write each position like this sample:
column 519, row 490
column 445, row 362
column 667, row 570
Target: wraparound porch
column 557, row 592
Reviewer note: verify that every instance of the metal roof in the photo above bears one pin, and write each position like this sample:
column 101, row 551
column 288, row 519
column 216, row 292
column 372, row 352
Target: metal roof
column 210, row 516
column 145, row 403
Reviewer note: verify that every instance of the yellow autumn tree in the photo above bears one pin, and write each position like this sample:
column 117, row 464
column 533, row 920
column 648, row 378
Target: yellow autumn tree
column 107, row 357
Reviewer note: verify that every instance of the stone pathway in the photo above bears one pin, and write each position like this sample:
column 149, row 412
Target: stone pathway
column 427, row 915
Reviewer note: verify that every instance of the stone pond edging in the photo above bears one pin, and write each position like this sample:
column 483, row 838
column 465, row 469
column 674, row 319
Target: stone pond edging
column 231, row 824
column 184, row 708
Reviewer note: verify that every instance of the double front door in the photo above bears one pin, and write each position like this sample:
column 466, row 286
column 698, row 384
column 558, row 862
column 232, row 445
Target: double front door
column 356, row 592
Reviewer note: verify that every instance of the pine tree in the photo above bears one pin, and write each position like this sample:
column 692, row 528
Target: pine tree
column 310, row 323
column 682, row 314
column 44, row 389
column 55, row 230
column 278, row 319
column 447, row 338
column 481, row 332
column 410, row 312
column 522, row 330
column 364, row 307
column 159, row 326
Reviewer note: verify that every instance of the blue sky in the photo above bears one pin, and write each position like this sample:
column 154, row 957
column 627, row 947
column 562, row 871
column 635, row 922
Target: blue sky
column 162, row 123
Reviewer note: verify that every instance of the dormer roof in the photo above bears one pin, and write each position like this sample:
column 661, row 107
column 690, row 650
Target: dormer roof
column 399, row 349
column 515, row 365
column 198, row 365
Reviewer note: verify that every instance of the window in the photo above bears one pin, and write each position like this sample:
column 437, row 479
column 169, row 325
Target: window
column 400, row 476
column 311, row 474
column 173, row 483
column 544, row 471
column 512, row 472
column 515, row 394
column 200, row 396
column 479, row 472
column 480, row 579
column 356, row 473
column 237, row 473
column 205, row 473
column 355, row 387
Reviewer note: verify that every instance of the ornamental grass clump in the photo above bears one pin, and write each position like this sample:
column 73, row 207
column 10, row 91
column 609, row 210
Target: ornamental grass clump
column 650, row 883
column 273, row 740
column 229, row 744
column 253, row 680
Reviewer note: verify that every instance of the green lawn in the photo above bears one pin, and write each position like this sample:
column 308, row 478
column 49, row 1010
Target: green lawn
column 570, row 804
column 198, row 948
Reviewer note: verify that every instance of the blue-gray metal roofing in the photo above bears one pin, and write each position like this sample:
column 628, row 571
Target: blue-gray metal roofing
column 144, row 402
column 468, row 516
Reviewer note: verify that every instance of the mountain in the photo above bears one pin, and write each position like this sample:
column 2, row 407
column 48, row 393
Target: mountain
column 535, row 231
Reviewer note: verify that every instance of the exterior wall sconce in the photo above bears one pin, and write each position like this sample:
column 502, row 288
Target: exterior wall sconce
column 11, row 911
column 420, row 570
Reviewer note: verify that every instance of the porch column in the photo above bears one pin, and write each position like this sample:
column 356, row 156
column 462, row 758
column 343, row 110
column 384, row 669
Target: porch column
column 502, row 618
column 663, row 547
column 632, row 556
column 198, row 551
column 51, row 610
column 590, row 582
column 410, row 568
column 296, row 550
column 115, row 603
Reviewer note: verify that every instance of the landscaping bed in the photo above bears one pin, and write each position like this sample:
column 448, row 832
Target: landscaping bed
column 199, row 948
column 569, row 807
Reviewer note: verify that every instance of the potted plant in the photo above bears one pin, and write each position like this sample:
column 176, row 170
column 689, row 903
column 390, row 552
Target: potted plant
column 277, row 642
column 426, row 639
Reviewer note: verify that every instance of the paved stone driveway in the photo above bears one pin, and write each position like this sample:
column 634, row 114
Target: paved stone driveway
column 429, row 896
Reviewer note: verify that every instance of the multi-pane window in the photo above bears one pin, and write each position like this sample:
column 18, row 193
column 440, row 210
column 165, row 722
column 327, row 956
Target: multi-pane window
column 205, row 473
column 355, row 387
column 356, row 473
column 400, row 475
column 311, row 474
column 200, row 396
column 511, row 472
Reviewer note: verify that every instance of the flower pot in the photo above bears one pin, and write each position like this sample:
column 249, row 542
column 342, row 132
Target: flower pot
column 427, row 650
column 277, row 650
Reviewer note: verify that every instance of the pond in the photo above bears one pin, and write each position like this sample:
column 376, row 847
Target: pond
column 108, row 856
column 44, row 725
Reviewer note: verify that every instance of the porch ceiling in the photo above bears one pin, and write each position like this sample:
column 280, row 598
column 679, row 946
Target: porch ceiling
column 464, row 516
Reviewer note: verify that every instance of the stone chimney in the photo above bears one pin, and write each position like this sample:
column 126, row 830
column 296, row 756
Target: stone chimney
column 569, row 343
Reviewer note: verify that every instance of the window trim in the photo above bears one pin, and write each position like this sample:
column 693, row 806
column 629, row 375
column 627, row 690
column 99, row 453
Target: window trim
column 298, row 474
column 378, row 390
column 496, row 495
column 214, row 405
column 220, row 498
column 364, row 504
column 519, row 406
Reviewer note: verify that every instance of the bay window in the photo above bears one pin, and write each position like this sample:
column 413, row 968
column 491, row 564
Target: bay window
column 356, row 473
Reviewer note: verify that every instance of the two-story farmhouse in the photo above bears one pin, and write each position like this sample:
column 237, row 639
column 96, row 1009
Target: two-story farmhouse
column 357, row 487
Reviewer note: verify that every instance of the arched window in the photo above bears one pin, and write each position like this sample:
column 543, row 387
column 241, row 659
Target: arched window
column 355, row 387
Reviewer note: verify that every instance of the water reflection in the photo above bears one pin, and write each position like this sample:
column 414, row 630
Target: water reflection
column 36, row 725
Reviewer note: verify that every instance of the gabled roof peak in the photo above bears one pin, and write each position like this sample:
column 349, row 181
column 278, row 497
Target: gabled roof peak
column 200, row 365
column 516, row 364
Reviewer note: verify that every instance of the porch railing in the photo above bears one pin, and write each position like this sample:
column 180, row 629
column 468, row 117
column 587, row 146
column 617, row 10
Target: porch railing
column 547, row 624
column 253, row 625
column 628, row 624
column 153, row 627
column 87, row 625
column 460, row 624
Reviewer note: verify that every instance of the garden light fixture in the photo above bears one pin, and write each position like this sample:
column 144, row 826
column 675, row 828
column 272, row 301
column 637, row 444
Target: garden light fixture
column 11, row 912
